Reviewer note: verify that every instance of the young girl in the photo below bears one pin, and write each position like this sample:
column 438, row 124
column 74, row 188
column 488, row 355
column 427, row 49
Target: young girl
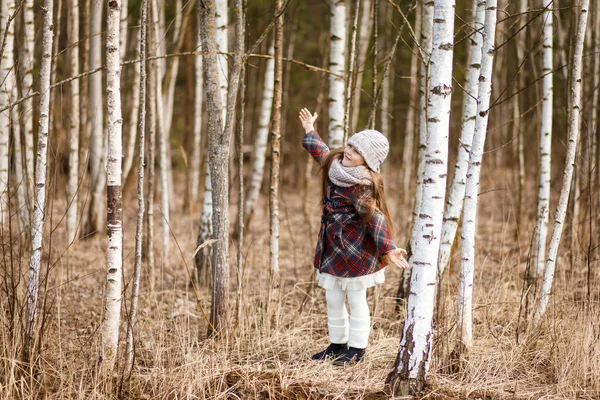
column 355, row 234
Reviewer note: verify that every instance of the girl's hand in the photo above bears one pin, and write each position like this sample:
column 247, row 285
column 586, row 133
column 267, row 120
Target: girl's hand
column 396, row 257
column 307, row 119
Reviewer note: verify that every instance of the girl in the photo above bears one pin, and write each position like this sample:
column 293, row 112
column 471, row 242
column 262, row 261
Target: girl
column 355, row 235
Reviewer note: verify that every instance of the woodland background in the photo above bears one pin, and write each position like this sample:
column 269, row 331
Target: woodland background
column 267, row 357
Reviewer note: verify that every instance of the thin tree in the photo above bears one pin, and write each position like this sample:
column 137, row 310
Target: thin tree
column 196, row 155
column 469, row 226
column 128, row 155
column 454, row 204
column 260, row 142
column 240, row 217
column 426, row 37
column 274, row 292
column 410, row 368
column 520, row 148
column 73, row 184
column 351, row 70
column 114, row 197
column 137, row 267
column 151, row 101
column 337, row 66
column 219, row 144
column 364, row 37
column 572, row 134
column 543, row 205
column 39, row 208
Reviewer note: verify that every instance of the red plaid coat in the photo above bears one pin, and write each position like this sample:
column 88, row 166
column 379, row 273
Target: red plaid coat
column 346, row 247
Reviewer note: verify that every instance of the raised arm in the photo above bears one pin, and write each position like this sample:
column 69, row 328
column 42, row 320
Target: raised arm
column 311, row 141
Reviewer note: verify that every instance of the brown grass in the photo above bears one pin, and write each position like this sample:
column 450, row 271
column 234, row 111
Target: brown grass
column 175, row 360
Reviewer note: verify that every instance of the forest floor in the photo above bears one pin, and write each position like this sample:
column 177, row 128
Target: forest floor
column 175, row 360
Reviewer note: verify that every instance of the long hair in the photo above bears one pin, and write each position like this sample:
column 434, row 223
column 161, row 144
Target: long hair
column 378, row 203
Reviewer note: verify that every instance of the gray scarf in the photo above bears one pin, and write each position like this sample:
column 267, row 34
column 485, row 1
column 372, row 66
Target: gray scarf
column 348, row 176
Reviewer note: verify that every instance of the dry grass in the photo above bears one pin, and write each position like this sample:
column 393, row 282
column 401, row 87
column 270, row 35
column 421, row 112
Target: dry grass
column 175, row 360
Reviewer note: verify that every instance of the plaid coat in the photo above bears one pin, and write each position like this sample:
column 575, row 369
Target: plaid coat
column 346, row 247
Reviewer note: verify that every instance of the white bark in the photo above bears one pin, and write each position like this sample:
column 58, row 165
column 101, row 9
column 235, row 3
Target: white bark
column 573, row 134
column 469, row 226
column 410, row 369
column 426, row 37
column 37, row 224
column 545, row 151
column 133, row 122
column 222, row 37
column 7, row 80
column 337, row 66
column 456, row 197
column 114, row 223
column 73, row 183
column 195, row 161
column 260, row 143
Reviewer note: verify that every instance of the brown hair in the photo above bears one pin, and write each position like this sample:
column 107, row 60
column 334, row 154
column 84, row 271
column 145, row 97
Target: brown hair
column 378, row 203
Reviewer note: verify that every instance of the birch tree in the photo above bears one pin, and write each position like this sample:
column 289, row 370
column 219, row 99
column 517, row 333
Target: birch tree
column 364, row 36
column 260, row 142
column 456, row 197
column 73, row 184
column 520, row 45
column 469, row 226
column 219, row 144
column 114, row 198
column 410, row 368
column 543, row 206
column 426, row 37
column 337, row 66
column 196, row 156
column 140, row 186
column 572, row 134
column 97, row 147
column 37, row 223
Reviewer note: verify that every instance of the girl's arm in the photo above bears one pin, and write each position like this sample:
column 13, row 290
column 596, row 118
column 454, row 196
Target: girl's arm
column 311, row 141
column 362, row 196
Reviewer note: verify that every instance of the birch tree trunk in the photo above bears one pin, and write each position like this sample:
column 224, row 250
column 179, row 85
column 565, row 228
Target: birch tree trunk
column 410, row 369
column 469, row 226
column 274, row 292
column 543, row 206
column 454, row 204
column 337, row 66
column 73, row 184
column 520, row 45
column 153, row 78
column 573, row 133
column 364, row 37
column 6, row 84
column 411, row 125
column 196, row 155
column 129, row 352
column 219, row 144
column 351, row 71
column 426, row 37
column 26, row 108
column 37, row 223
column 114, row 198
column 260, row 143
column 97, row 146
column 133, row 120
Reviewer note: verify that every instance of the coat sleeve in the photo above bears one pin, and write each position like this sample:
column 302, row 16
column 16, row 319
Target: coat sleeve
column 377, row 227
column 313, row 143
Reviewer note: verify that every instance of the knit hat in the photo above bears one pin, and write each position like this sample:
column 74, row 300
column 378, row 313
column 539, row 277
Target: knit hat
column 372, row 145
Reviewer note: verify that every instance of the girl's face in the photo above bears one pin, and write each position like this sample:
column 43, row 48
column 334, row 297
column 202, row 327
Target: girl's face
column 351, row 157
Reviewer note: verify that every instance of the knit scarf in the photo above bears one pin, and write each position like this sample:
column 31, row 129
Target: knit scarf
column 348, row 176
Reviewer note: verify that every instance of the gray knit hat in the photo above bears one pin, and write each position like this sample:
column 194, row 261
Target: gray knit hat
column 372, row 145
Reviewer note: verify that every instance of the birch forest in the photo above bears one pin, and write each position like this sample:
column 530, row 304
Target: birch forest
column 159, row 216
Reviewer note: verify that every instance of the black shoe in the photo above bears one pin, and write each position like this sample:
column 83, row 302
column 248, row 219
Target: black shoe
column 333, row 350
column 350, row 356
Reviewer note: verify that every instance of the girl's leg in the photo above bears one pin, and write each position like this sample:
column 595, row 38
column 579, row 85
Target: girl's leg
column 360, row 318
column 337, row 315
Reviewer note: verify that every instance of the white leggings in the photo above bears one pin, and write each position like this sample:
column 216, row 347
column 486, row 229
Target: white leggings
column 356, row 334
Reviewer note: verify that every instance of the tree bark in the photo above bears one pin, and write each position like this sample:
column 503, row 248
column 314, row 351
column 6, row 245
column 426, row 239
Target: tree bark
column 196, row 155
column 366, row 26
column 114, row 198
column 137, row 267
column 133, row 121
column 37, row 224
column 573, row 133
column 337, row 66
column 410, row 369
column 541, row 231
column 351, row 71
column 74, row 128
column 454, row 204
column 469, row 226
